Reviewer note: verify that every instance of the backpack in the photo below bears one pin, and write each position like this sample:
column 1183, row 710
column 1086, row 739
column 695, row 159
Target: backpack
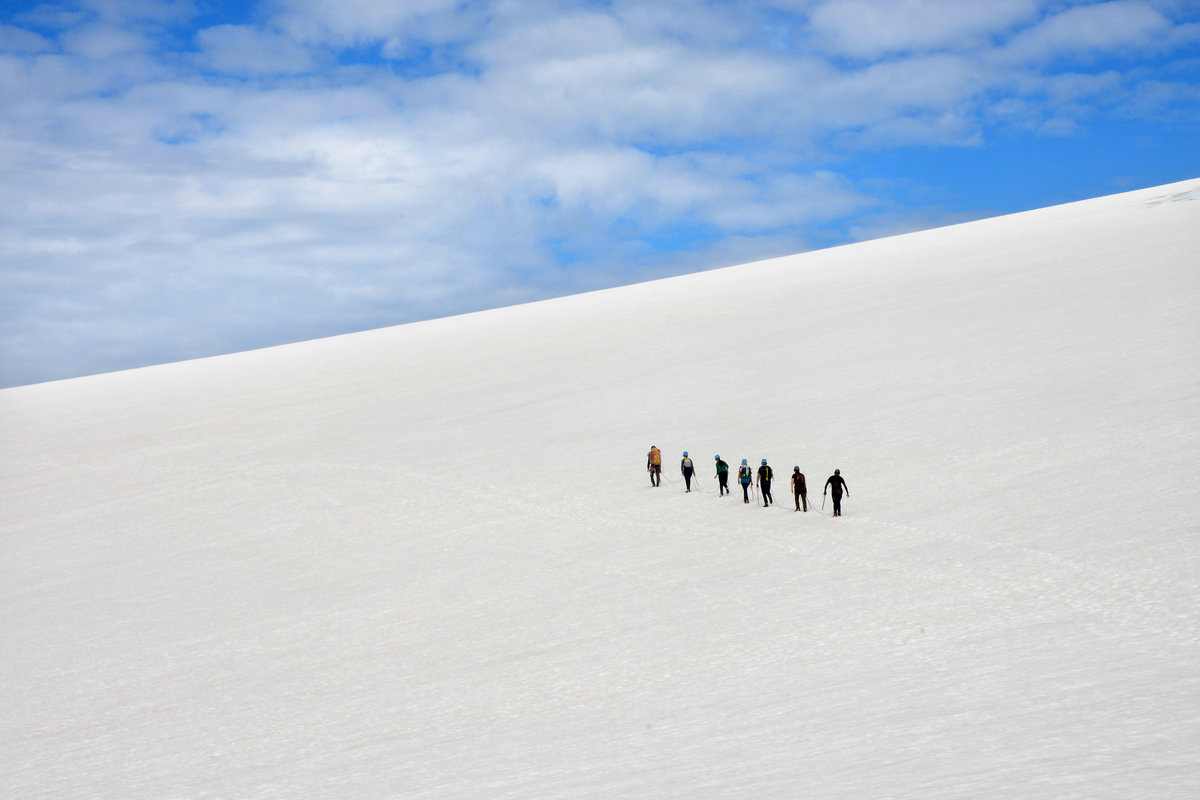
column 687, row 463
column 744, row 474
column 655, row 456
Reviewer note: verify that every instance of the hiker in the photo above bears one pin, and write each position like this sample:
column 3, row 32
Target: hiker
column 744, row 478
column 654, row 465
column 687, row 468
column 722, row 475
column 838, row 485
column 799, row 490
column 764, row 482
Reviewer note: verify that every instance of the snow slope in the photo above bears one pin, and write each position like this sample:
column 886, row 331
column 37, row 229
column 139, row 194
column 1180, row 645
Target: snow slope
column 426, row 562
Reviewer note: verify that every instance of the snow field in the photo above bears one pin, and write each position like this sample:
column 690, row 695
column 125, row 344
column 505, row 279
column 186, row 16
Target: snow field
column 427, row 562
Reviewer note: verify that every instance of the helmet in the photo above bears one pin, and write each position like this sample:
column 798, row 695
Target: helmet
column 837, row 472
column 744, row 461
column 795, row 469
column 717, row 457
column 764, row 461
column 685, row 453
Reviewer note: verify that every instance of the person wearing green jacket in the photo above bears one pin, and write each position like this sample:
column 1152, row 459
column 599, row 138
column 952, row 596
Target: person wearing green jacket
column 722, row 475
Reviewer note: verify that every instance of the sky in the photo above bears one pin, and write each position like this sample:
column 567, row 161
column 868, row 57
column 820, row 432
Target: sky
column 183, row 179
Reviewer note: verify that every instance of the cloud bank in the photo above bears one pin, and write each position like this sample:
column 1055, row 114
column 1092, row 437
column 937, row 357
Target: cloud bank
column 180, row 182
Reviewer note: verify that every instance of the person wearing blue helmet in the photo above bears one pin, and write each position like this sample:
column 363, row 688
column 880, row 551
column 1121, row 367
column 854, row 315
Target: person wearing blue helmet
column 687, row 468
column 764, row 483
column 722, row 475
column 745, row 475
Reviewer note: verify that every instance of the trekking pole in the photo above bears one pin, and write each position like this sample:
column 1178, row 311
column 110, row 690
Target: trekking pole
column 822, row 502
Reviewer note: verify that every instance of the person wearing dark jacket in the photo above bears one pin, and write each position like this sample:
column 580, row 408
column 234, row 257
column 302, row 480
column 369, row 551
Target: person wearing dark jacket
column 838, row 485
column 687, row 468
column 723, row 475
column 764, row 483
column 799, row 490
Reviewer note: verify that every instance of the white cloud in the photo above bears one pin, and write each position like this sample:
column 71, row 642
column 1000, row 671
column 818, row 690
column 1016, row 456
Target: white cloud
column 1074, row 87
column 288, row 186
column 140, row 11
column 870, row 29
column 49, row 15
column 21, row 41
column 896, row 222
column 99, row 42
column 1109, row 28
column 1154, row 98
column 251, row 51
column 945, row 128
column 343, row 22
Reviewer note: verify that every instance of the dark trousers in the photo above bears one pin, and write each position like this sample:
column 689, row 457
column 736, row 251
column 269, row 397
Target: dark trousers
column 801, row 498
column 746, row 492
column 723, row 478
column 766, row 493
column 837, row 504
column 655, row 474
column 687, row 478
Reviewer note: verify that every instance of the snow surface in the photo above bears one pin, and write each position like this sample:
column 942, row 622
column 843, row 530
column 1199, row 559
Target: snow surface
column 426, row 561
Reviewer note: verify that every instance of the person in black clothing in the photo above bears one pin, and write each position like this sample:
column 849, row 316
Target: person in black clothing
column 723, row 475
column 799, row 490
column 764, row 482
column 687, row 468
column 838, row 485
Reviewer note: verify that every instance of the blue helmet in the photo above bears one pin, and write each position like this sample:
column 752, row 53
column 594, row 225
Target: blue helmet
column 685, row 453
column 744, row 461
column 764, row 461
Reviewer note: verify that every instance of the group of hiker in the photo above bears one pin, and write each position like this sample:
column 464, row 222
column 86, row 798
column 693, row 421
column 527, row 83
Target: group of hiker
column 761, row 480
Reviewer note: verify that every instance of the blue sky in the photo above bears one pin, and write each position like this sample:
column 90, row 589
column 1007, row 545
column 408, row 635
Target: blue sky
column 189, row 178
